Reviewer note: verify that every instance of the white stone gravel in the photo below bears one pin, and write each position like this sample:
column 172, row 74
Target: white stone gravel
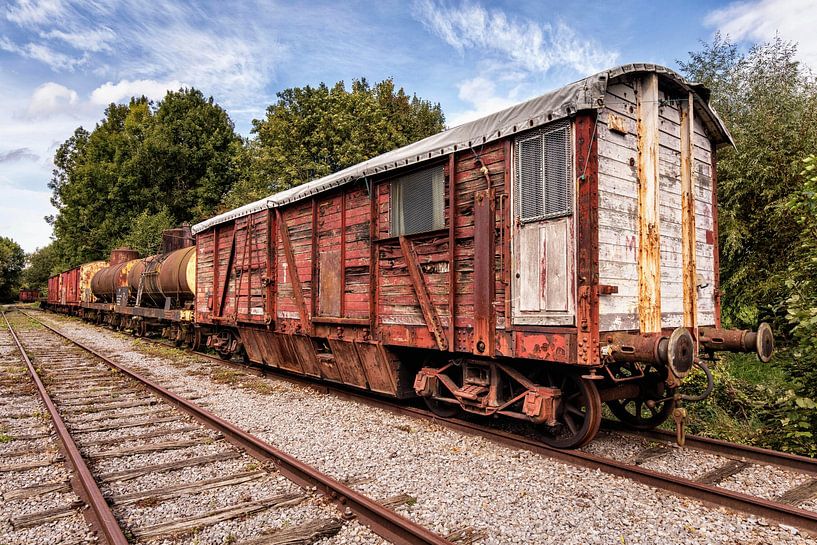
column 764, row 481
column 71, row 528
column 458, row 480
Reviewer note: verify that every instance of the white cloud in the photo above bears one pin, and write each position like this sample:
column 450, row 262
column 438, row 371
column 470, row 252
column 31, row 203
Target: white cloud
column 760, row 20
column 125, row 89
column 87, row 40
column 481, row 94
column 52, row 98
column 527, row 44
column 21, row 216
column 33, row 12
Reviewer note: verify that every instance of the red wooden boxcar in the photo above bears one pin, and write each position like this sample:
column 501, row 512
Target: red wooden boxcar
column 533, row 264
column 29, row 295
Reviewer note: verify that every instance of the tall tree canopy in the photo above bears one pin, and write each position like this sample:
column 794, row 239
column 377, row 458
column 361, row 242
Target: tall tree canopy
column 769, row 103
column 12, row 259
column 314, row 131
column 176, row 157
column 40, row 264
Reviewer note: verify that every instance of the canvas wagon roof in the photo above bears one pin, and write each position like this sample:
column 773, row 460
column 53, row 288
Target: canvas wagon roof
column 585, row 94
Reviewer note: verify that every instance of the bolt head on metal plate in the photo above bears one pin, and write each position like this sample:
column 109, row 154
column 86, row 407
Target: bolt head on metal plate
column 680, row 352
column 764, row 345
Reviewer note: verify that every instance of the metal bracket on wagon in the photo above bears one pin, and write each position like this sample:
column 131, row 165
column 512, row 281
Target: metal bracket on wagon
column 761, row 342
column 479, row 393
column 676, row 351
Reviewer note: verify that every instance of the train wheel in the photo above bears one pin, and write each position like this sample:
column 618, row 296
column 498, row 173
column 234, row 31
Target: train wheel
column 578, row 415
column 441, row 409
column 197, row 340
column 637, row 412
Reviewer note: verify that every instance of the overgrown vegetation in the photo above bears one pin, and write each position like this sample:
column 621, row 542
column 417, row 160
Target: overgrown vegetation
column 767, row 195
column 12, row 259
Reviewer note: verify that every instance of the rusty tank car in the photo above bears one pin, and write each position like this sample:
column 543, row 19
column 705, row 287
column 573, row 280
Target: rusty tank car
column 534, row 264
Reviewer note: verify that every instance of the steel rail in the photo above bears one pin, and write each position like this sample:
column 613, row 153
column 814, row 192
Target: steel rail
column 100, row 513
column 383, row 521
column 712, row 494
column 803, row 464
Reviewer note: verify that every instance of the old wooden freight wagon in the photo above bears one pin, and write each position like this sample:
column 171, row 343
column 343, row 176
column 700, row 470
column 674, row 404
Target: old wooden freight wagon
column 534, row 263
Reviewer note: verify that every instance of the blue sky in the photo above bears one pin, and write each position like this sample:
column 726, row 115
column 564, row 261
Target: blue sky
column 62, row 62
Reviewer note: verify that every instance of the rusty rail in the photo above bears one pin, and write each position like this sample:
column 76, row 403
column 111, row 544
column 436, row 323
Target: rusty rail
column 383, row 521
column 101, row 516
column 794, row 516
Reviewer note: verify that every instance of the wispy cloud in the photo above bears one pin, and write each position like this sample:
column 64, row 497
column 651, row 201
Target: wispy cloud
column 760, row 20
column 513, row 56
column 33, row 12
column 140, row 43
column 43, row 53
column 527, row 44
column 18, row 154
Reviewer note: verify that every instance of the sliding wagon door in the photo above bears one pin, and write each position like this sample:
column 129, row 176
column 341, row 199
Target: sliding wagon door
column 543, row 242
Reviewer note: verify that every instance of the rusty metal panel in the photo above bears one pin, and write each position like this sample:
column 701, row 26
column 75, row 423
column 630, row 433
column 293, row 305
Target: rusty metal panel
column 252, row 344
column 649, row 238
column 380, row 369
column 587, row 239
column 484, row 272
column 348, row 363
column 330, row 279
column 553, row 347
column 289, row 356
column 304, row 350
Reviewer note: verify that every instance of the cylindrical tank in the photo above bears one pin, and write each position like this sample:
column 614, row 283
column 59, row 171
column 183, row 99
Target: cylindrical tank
column 121, row 255
column 107, row 281
column 166, row 276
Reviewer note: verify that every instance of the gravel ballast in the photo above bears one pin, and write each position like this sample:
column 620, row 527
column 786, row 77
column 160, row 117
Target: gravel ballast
column 458, row 480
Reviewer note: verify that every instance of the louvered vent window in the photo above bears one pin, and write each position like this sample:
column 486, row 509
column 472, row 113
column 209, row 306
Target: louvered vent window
column 417, row 203
column 544, row 186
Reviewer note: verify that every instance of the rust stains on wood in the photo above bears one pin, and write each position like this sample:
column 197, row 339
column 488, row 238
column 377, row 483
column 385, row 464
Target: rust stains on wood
column 649, row 237
column 484, row 272
column 421, row 291
column 688, row 236
column 452, row 241
column 587, row 243
column 294, row 277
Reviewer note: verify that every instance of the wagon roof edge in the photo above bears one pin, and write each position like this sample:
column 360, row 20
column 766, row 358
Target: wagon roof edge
column 584, row 94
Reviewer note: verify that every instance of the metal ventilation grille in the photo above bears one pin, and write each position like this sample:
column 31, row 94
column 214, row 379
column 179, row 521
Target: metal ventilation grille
column 544, row 185
column 417, row 202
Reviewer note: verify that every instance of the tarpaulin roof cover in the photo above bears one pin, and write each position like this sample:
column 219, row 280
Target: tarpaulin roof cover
column 585, row 94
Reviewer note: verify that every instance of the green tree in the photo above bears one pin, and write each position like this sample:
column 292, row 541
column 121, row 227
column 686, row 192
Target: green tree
column 174, row 158
column 145, row 235
column 12, row 259
column 41, row 264
column 314, row 131
column 769, row 103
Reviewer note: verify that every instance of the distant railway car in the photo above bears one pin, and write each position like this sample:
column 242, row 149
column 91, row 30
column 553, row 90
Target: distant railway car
column 29, row 295
column 533, row 264
column 155, row 292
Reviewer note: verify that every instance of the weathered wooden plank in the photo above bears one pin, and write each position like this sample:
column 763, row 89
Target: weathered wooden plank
column 214, row 517
column 183, row 489
column 151, row 447
column 37, row 490
column 306, row 533
column 132, row 473
column 41, row 517
column 649, row 240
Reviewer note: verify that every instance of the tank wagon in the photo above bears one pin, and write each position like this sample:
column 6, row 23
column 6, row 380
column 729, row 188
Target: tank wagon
column 533, row 264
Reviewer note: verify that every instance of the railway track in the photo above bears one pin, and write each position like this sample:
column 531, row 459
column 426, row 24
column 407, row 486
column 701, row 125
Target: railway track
column 149, row 464
column 706, row 487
